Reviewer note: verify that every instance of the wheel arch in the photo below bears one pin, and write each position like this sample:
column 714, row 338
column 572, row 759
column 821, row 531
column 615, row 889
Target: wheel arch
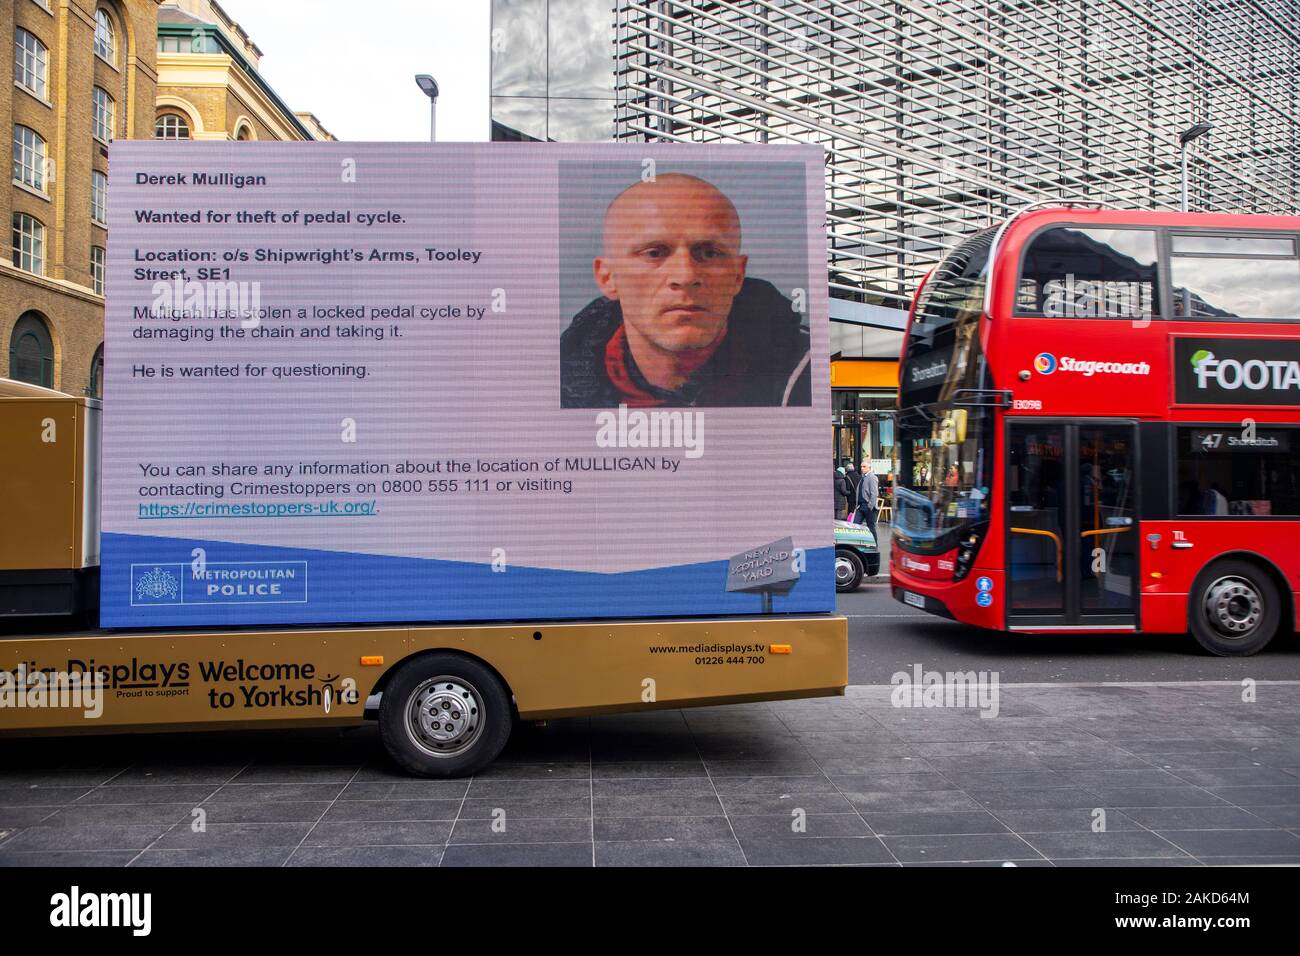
column 1266, row 565
column 386, row 677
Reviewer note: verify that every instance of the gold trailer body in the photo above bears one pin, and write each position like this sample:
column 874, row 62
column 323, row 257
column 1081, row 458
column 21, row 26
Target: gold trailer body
column 210, row 680
column 49, row 501
column 56, row 679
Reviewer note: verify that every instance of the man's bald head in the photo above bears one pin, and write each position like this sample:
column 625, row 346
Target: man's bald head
column 670, row 256
column 666, row 195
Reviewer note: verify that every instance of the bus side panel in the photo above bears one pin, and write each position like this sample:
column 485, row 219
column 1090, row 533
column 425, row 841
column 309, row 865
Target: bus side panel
column 1164, row 613
column 1169, row 573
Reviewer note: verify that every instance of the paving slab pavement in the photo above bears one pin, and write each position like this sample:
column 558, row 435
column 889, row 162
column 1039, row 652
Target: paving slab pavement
column 1127, row 774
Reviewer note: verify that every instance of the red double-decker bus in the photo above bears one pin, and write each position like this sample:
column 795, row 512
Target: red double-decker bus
column 1100, row 428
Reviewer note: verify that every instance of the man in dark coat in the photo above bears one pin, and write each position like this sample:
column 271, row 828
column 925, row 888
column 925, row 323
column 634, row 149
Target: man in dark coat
column 868, row 498
column 851, row 473
column 843, row 495
column 678, row 323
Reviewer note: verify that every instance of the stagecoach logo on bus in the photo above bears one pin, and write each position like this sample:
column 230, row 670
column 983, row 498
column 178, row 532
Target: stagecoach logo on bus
column 219, row 582
column 1045, row 363
column 1237, row 371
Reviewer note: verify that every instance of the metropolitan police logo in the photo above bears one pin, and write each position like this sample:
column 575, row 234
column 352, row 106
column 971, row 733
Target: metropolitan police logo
column 157, row 584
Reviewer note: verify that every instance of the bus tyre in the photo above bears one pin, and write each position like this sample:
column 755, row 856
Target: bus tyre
column 848, row 570
column 1235, row 608
column 443, row 715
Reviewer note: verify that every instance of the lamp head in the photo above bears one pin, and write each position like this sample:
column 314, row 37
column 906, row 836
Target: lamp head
column 1195, row 131
column 428, row 85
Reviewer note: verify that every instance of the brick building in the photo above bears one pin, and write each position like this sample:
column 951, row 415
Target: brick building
column 81, row 73
column 209, row 86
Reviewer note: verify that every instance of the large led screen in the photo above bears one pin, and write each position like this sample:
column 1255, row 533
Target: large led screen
column 352, row 382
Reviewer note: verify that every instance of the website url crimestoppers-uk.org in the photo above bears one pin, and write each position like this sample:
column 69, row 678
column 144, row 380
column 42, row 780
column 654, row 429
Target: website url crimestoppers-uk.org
column 331, row 508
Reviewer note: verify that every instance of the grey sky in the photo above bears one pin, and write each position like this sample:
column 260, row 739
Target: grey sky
column 353, row 64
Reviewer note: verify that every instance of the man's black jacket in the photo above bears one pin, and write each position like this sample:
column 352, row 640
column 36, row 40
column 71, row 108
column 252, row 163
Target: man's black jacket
column 763, row 357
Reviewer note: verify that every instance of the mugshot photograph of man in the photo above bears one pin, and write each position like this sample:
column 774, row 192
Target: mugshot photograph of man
column 679, row 322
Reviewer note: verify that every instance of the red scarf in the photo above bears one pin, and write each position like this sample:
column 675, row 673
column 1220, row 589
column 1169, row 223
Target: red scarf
column 634, row 396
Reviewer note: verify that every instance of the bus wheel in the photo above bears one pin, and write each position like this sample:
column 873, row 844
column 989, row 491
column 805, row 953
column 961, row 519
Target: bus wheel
column 443, row 715
column 848, row 570
column 1235, row 609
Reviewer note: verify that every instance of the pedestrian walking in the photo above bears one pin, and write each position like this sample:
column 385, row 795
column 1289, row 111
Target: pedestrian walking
column 851, row 473
column 843, row 494
column 868, row 498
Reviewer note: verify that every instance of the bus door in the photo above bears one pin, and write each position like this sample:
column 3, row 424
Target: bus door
column 1072, row 524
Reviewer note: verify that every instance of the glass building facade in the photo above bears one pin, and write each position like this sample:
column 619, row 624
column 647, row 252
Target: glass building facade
column 552, row 70
column 938, row 118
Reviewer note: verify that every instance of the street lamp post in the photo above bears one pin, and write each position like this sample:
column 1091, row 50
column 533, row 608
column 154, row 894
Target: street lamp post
column 1195, row 131
column 429, row 86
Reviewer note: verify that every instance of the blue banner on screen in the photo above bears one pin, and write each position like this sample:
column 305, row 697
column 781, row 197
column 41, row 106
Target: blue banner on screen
column 407, row 382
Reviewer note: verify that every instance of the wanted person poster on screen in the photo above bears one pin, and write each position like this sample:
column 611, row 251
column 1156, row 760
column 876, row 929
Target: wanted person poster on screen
column 398, row 382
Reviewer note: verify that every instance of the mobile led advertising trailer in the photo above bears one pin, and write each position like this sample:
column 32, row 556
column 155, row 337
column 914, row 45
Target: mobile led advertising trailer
column 409, row 382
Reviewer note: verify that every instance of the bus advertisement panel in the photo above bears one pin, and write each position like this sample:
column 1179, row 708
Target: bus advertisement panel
column 398, row 382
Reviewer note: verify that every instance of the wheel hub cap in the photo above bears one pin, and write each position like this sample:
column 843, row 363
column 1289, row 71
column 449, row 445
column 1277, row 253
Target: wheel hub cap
column 1233, row 607
column 444, row 716
column 843, row 571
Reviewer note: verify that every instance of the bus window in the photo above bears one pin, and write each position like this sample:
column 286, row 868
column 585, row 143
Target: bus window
column 1234, row 277
column 1229, row 471
column 1232, row 245
column 1090, row 273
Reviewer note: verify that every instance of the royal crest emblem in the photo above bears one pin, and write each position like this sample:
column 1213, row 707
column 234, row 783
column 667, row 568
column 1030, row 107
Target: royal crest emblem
column 157, row 584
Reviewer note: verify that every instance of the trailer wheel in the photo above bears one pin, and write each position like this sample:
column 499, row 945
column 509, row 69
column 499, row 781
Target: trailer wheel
column 443, row 715
column 1235, row 609
column 848, row 570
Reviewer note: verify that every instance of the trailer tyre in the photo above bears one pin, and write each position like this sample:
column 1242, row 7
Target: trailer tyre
column 1235, row 608
column 443, row 715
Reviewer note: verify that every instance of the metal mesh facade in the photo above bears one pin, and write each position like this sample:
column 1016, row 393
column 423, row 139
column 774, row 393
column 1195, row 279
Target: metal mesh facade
column 938, row 118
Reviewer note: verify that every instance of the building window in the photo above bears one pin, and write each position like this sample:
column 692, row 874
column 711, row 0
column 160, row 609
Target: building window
column 31, row 351
column 102, row 115
column 29, row 243
column 97, row 268
column 30, row 59
column 98, row 197
column 96, row 387
column 171, row 126
column 194, row 43
column 29, row 158
column 105, row 37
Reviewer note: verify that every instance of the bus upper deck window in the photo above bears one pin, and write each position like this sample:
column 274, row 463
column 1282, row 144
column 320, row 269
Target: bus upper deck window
column 1234, row 277
column 1090, row 274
